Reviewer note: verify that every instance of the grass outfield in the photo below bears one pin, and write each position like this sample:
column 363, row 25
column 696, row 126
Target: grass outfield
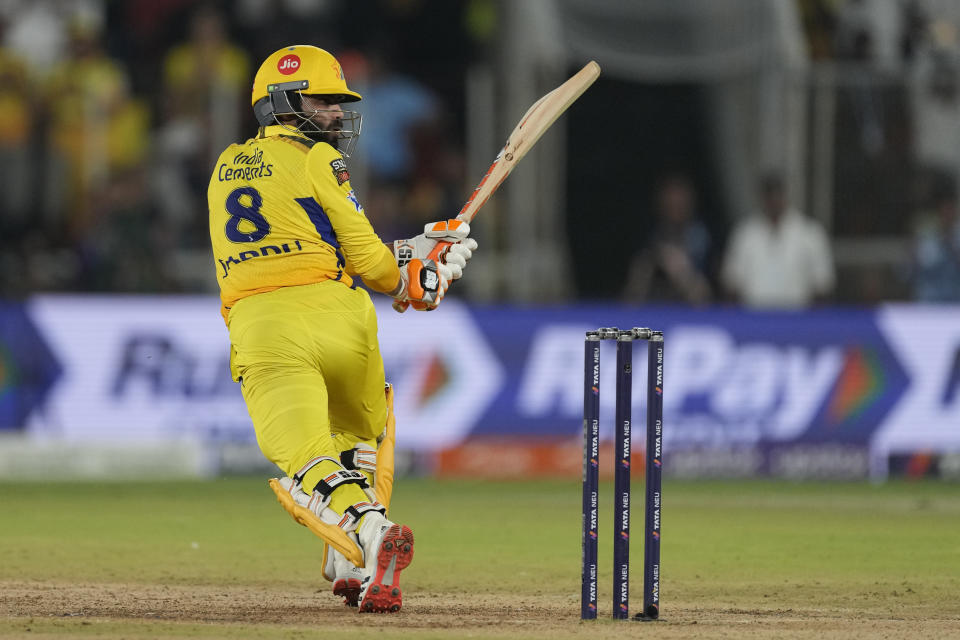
column 740, row 560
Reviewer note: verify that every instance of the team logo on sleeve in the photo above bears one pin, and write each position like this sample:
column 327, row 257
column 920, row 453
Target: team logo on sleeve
column 352, row 197
column 340, row 170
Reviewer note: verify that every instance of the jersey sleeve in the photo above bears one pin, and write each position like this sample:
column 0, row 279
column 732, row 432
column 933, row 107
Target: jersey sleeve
column 365, row 253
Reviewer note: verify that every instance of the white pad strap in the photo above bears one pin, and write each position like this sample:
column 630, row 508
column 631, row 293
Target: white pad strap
column 298, row 476
column 323, row 490
column 340, row 478
column 356, row 511
column 362, row 457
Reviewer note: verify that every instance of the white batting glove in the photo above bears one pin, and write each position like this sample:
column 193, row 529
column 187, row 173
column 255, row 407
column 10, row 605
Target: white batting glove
column 420, row 247
column 458, row 254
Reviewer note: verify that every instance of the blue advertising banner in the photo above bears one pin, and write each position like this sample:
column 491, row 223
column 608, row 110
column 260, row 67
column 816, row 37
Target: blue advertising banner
column 28, row 369
column 831, row 392
column 731, row 377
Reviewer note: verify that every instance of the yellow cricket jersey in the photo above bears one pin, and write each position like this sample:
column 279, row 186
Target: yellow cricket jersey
column 282, row 213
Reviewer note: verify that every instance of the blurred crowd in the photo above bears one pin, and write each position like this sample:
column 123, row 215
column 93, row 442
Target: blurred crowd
column 111, row 114
column 897, row 155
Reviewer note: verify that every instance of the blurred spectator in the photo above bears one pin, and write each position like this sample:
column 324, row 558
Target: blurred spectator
column 914, row 26
column 871, row 31
column 95, row 132
column 937, row 249
column 819, row 24
column 869, row 34
column 37, row 29
column 16, row 151
column 778, row 258
column 394, row 106
column 206, row 88
column 97, row 140
column 206, row 76
column 402, row 149
column 673, row 265
column 935, row 97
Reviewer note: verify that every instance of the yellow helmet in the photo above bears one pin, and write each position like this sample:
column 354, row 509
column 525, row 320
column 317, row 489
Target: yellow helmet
column 302, row 63
column 289, row 74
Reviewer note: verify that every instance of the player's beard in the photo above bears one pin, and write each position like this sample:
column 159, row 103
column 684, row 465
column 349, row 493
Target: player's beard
column 329, row 133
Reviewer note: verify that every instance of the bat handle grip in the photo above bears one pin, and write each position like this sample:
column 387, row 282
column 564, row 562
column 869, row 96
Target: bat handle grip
column 439, row 252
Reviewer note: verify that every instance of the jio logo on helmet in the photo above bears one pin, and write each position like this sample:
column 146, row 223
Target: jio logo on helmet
column 288, row 64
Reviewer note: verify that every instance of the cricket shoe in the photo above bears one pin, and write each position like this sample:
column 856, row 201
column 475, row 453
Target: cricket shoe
column 346, row 578
column 387, row 550
column 348, row 589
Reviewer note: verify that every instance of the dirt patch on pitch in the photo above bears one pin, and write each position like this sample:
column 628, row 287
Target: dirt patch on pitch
column 55, row 609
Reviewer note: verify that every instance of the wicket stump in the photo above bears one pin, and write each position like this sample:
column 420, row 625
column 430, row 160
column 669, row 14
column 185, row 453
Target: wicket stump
column 622, row 450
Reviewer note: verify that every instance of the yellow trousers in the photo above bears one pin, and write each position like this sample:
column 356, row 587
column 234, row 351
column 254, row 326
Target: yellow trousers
column 312, row 376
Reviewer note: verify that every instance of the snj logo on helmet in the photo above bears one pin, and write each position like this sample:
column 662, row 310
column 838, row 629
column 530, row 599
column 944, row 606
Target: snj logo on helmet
column 288, row 64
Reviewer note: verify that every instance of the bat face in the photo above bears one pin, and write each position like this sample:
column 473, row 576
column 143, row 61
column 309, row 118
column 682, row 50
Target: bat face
column 534, row 123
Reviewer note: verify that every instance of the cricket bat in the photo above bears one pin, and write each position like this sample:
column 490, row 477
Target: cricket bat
column 534, row 123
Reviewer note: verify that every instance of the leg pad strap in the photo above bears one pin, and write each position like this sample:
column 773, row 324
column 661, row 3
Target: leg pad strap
column 340, row 478
column 362, row 457
column 356, row 511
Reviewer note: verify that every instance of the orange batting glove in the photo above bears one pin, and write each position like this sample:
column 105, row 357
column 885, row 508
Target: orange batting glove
column 423, row 284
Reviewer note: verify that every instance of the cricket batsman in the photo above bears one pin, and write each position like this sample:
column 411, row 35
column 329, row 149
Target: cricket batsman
column 290, row 238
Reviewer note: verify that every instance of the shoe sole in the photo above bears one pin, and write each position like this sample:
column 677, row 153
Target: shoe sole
column 396, row 552
column 349, row 589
